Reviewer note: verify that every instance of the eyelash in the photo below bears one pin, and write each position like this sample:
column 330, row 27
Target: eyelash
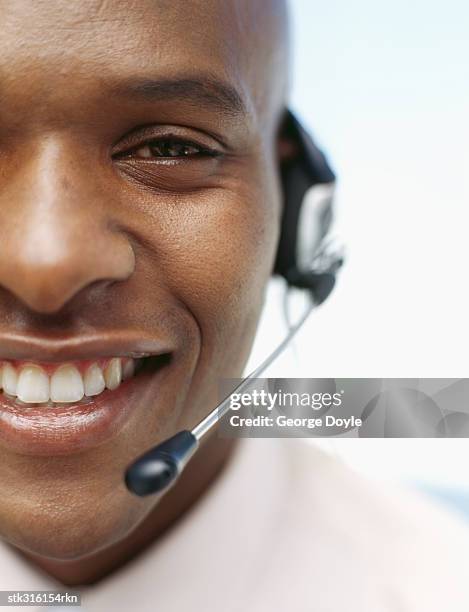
column 168, row 141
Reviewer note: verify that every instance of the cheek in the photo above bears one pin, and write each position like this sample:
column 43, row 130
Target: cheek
column 222, row 259
column 208, row 255
column 212, row 249
column 227, row 252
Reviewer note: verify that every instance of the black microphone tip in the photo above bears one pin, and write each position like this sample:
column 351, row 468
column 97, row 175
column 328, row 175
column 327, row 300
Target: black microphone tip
column 159, row 467
column 148, row 477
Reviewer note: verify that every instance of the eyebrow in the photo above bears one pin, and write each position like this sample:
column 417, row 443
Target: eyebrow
column 204, row 90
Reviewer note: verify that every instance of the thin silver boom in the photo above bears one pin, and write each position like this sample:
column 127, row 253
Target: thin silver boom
column 217, row 413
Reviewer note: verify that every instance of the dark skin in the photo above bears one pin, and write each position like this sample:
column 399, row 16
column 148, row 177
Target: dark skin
column 139, row 186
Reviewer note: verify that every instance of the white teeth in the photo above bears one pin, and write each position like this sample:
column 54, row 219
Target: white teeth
column 113, row 374
column 127, row 370
column 94, row 380
column 10, row 379
column 33, row 385
column 66, row 385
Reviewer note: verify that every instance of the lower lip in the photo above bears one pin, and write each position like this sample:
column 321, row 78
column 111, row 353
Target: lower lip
column 67, row 429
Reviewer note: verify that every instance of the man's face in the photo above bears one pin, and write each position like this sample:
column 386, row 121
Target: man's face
column 140, row 206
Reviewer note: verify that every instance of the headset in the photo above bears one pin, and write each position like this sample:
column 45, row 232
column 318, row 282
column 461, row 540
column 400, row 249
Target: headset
column 304, row 259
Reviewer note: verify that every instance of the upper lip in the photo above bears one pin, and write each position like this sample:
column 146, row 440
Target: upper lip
column 121, row 342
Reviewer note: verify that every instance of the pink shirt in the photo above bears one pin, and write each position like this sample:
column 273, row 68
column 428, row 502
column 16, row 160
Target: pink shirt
column 288, row 528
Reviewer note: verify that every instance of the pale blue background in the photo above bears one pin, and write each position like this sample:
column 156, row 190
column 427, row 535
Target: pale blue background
column 385, row 88
column 390, row 77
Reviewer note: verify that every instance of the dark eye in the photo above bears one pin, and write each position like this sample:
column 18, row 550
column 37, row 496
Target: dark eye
column 169, row 148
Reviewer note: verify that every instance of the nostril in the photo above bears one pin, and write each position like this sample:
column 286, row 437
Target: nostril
column 46, row 287
column 46, row 291
column 38, row 299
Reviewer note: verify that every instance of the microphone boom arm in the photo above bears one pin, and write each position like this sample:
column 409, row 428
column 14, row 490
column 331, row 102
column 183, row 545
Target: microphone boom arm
column 160, row 467
column 217, row 413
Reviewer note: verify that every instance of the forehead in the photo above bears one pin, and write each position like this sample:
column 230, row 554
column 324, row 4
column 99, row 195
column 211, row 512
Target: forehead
column 108, row 41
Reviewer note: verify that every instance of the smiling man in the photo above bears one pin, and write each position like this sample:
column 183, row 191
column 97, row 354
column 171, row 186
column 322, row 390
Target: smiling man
column 141, row 203
column 140, row 217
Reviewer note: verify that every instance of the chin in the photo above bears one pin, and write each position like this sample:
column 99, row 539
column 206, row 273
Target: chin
column 75, row 529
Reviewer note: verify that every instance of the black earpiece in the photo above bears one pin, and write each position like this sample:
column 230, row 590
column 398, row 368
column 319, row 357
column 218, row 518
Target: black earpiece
column 308, row 185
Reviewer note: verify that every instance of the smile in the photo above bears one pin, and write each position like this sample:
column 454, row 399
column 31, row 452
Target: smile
column 78, row 395
column 65, row 383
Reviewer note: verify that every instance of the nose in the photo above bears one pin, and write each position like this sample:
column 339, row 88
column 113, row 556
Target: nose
column 58, row 235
